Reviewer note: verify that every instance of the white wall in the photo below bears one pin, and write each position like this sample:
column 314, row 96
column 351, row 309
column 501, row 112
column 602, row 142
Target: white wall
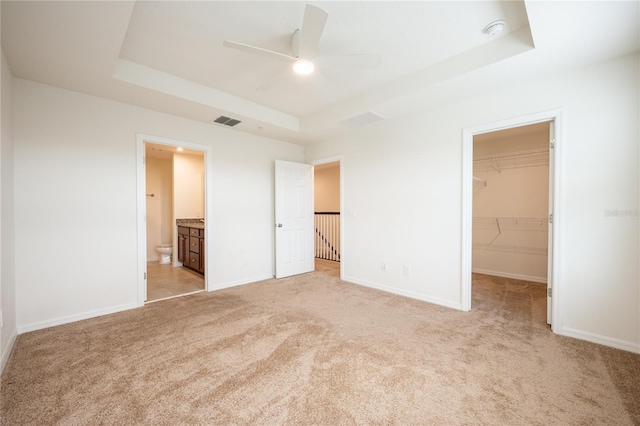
column 188, row 181
column 402, row 179
column 7, row 268
column 327, row 189
column 75, row 201
column 160, row 224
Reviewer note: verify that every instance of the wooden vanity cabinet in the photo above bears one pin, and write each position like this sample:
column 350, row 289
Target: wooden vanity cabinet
column 191, row 248
column 183, row 243
column 201, row 250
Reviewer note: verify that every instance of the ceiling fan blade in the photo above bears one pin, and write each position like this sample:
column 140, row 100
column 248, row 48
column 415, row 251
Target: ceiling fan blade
column 258, row 51
column 311, row 31
column 356, row 61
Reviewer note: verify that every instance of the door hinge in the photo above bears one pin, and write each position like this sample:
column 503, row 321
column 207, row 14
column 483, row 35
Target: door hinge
column 552, row 143
column 145, row 275
column 550, row 217
column 549, row 292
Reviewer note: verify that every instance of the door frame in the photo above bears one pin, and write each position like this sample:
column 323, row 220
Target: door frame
column 141, row 191
column 557, row 116
column 337, row 159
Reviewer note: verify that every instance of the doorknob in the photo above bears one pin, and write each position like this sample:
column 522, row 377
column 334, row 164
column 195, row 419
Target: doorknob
column 279, row 225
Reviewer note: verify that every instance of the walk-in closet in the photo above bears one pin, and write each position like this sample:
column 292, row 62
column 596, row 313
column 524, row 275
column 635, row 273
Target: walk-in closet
column 511, row 203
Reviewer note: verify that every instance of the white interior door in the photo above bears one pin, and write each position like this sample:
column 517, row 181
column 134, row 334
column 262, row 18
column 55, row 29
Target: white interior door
column 552, row 141
column 294, row 218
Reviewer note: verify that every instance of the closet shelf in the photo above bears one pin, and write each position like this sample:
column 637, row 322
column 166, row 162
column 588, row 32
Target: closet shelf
column 518, row 234
column 511, row 160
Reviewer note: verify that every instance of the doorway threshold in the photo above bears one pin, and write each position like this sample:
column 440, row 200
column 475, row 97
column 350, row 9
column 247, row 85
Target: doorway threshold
column 174, row 296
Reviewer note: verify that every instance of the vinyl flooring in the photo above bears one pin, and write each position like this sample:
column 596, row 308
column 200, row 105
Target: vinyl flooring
column 328, row 266
column 165, row 281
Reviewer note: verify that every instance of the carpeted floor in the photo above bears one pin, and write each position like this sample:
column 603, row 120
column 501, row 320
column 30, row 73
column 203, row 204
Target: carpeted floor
column 314, row 350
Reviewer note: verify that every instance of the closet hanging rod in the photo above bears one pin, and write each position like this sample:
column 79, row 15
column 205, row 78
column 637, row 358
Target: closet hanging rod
column 499, row 162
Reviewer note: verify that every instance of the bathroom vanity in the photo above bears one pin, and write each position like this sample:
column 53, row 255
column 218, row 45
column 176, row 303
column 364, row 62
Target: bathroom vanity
column 191, row 244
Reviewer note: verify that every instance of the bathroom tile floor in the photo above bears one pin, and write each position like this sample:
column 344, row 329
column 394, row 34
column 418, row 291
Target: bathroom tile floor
column 164, row 281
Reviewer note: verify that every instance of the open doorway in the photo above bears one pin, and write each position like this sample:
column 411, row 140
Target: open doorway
column 172, row 197
column 554, row 118
column 327, row 217
column 510, row 219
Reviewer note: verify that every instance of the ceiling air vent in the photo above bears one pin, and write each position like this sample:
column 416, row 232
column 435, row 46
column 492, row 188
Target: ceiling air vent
column 226, row 121
column 362, row 119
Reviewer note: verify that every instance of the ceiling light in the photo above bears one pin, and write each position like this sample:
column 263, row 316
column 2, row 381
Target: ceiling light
column 303, row 67
column 495, row 28
column 179, row 149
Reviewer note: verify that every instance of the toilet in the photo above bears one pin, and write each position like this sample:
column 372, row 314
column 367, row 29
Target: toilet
column 165, row 253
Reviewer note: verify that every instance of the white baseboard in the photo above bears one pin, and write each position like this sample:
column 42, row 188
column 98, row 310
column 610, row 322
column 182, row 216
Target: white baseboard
column 6, row 353
column 76, row 317
column 601, row 340
column 152, row 258
column 521, row 277
column 240, row 282
column 409, row 294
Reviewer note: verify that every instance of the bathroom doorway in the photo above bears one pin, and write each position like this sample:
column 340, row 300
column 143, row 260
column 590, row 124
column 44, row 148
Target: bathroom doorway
column 172, row 181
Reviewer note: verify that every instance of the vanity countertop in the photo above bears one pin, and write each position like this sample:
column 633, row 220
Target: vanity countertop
column 191, row 223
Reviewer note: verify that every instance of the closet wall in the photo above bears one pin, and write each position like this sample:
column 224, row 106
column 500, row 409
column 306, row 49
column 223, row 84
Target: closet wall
column 510, row 203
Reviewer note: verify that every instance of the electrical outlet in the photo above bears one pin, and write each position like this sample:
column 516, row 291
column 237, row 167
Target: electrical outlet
column 406, row 269
column 245, row 261
column 385, row 267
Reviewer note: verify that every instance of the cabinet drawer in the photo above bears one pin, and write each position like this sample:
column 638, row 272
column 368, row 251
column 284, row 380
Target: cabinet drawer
column 194, row 261
column 194, row 244
column 183, row 231
column 194, row 232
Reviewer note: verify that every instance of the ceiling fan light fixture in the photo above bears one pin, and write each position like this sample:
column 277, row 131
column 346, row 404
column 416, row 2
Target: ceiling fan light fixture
column 303, row 67
column 495, row 27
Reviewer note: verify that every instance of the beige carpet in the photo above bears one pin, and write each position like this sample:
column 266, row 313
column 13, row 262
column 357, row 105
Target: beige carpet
column 314, row 350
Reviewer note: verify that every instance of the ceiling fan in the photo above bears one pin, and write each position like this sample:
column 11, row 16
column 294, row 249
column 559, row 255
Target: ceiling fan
column 304, row 43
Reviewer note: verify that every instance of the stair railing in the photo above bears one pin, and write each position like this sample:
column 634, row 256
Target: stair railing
column 327, row 235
